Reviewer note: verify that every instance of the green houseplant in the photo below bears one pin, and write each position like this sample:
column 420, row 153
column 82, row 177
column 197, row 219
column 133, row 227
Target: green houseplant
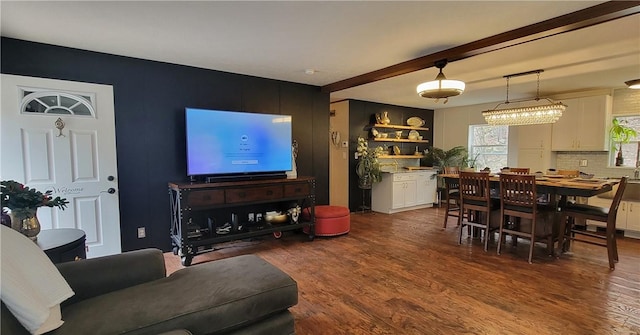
column 24, row 203
column 620, row 134
column 368, row 167
column 440, row 158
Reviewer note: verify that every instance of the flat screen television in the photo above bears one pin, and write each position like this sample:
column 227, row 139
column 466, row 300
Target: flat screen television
column 230, row 144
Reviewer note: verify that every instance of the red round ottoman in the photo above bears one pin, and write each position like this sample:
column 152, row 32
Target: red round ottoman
column 330, row 220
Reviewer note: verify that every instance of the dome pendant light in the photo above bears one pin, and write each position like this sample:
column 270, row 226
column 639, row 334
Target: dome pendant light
column 441, row 87
column 633, row 84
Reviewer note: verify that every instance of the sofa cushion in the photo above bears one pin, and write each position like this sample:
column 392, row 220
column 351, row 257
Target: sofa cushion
column 206, row 298
column 25, row 268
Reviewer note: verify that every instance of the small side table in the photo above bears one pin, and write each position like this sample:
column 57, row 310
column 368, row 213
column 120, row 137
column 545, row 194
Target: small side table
column 63, row 245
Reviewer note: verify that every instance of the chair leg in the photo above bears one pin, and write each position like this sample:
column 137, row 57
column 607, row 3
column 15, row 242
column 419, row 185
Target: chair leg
column 487, row 231
column 533, row 240
column 446, row 212
column 500, row 234
column 460, row 227
column 562, row 232
column 611, row 247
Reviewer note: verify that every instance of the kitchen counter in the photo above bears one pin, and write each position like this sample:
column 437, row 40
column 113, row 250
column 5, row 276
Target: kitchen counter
column 404, row 190
column 404, row 170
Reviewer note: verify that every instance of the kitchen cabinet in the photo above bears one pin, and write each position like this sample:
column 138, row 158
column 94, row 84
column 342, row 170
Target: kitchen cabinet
column 426, row 181
column 583, row 125
column 628, row 218
column 403, row 191
column 534, row 147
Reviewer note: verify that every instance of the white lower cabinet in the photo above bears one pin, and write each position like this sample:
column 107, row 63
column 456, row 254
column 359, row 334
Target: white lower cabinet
column 628, row 218
column 403, row 191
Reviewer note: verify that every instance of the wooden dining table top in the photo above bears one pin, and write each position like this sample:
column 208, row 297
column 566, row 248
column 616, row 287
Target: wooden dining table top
column 563, row 185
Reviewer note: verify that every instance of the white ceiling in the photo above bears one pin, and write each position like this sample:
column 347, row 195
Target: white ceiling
column 340, row 40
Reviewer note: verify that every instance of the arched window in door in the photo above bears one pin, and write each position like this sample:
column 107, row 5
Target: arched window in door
column 59, row 103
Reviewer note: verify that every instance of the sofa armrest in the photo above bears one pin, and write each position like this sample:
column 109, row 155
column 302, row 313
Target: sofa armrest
column 92, row 277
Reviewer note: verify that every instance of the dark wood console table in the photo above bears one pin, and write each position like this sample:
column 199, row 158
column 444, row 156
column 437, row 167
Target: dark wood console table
column 63, row 244
column 204, row 214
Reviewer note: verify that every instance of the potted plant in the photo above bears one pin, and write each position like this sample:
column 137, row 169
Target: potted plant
column 24, row 203
column 437, row 157
column 620, row 134
column 368, row 167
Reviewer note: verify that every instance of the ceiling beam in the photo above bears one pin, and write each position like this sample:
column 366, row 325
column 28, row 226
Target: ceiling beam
column 587, row 17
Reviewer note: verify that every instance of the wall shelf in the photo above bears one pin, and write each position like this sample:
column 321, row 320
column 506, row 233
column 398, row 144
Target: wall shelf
column 401, row 156
column 405, row 140
column 391, row 126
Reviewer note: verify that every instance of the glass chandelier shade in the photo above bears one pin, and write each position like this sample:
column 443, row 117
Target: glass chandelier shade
column 441, row 87
column 519, row 116
column 525, row 115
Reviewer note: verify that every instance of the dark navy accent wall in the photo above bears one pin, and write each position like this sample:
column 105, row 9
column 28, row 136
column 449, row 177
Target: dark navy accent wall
column 361, row 115
column 150, row 98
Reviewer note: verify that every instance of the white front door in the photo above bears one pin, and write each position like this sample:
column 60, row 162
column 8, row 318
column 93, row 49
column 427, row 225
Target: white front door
column 60, row 135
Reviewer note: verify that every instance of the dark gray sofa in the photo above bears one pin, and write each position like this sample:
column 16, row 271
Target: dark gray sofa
column 130, row 293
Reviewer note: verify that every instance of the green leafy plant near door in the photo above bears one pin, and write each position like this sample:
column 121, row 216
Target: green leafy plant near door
column 619, row 135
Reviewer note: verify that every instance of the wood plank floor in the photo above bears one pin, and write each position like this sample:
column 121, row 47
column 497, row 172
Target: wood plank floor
column 404, row 274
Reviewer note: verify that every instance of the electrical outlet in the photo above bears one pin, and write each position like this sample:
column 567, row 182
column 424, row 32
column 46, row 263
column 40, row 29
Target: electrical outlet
column 142, row 233
column 583, row 162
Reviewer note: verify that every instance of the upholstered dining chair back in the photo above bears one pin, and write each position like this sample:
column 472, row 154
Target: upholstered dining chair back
column 609, row 215
column 475, row 197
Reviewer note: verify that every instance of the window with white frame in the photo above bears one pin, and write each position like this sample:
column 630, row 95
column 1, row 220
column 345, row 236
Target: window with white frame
column 631, row 150
column 488, row 146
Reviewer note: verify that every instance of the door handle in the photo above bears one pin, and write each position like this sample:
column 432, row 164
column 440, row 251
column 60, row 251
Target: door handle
column 111, row 190
column 111, row 178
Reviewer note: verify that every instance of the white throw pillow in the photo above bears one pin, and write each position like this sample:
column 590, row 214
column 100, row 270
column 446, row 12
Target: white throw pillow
column 32, row 288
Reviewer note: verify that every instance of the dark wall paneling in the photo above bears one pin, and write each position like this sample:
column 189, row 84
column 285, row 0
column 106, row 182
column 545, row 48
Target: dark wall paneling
column 149, row 99
column 361, row 114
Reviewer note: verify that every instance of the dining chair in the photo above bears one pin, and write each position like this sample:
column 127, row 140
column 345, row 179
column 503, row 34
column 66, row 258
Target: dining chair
column 451, row 194
column 476, row 201
column 519, row 170
column 526, row 218
column 572, row 212
column 569, row 173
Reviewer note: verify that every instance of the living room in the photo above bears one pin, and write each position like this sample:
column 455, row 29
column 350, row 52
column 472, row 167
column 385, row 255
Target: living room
column 149, row 101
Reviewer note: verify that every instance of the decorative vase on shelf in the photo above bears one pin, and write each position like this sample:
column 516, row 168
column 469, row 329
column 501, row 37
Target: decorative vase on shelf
column 28, row 225
column 385, row 118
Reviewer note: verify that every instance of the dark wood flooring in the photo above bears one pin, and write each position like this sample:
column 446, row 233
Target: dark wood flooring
column 404, row 274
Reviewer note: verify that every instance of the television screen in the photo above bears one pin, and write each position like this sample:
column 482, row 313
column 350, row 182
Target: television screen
column 228, row 143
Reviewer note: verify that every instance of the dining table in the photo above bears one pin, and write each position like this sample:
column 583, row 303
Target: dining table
column 558, row 188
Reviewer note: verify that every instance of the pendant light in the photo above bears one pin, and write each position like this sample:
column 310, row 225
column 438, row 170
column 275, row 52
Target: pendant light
column 441, row 87
column 533, row 114
column 634, row 84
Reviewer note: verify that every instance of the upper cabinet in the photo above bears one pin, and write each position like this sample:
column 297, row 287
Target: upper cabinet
column 583, row 125
column 534, row 147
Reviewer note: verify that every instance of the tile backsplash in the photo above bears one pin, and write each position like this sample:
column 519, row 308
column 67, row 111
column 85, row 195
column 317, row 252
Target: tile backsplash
column 597, row 163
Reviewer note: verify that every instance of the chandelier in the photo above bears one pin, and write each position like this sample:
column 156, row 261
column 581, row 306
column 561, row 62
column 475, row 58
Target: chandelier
column 534, row 114
column 441, row 87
